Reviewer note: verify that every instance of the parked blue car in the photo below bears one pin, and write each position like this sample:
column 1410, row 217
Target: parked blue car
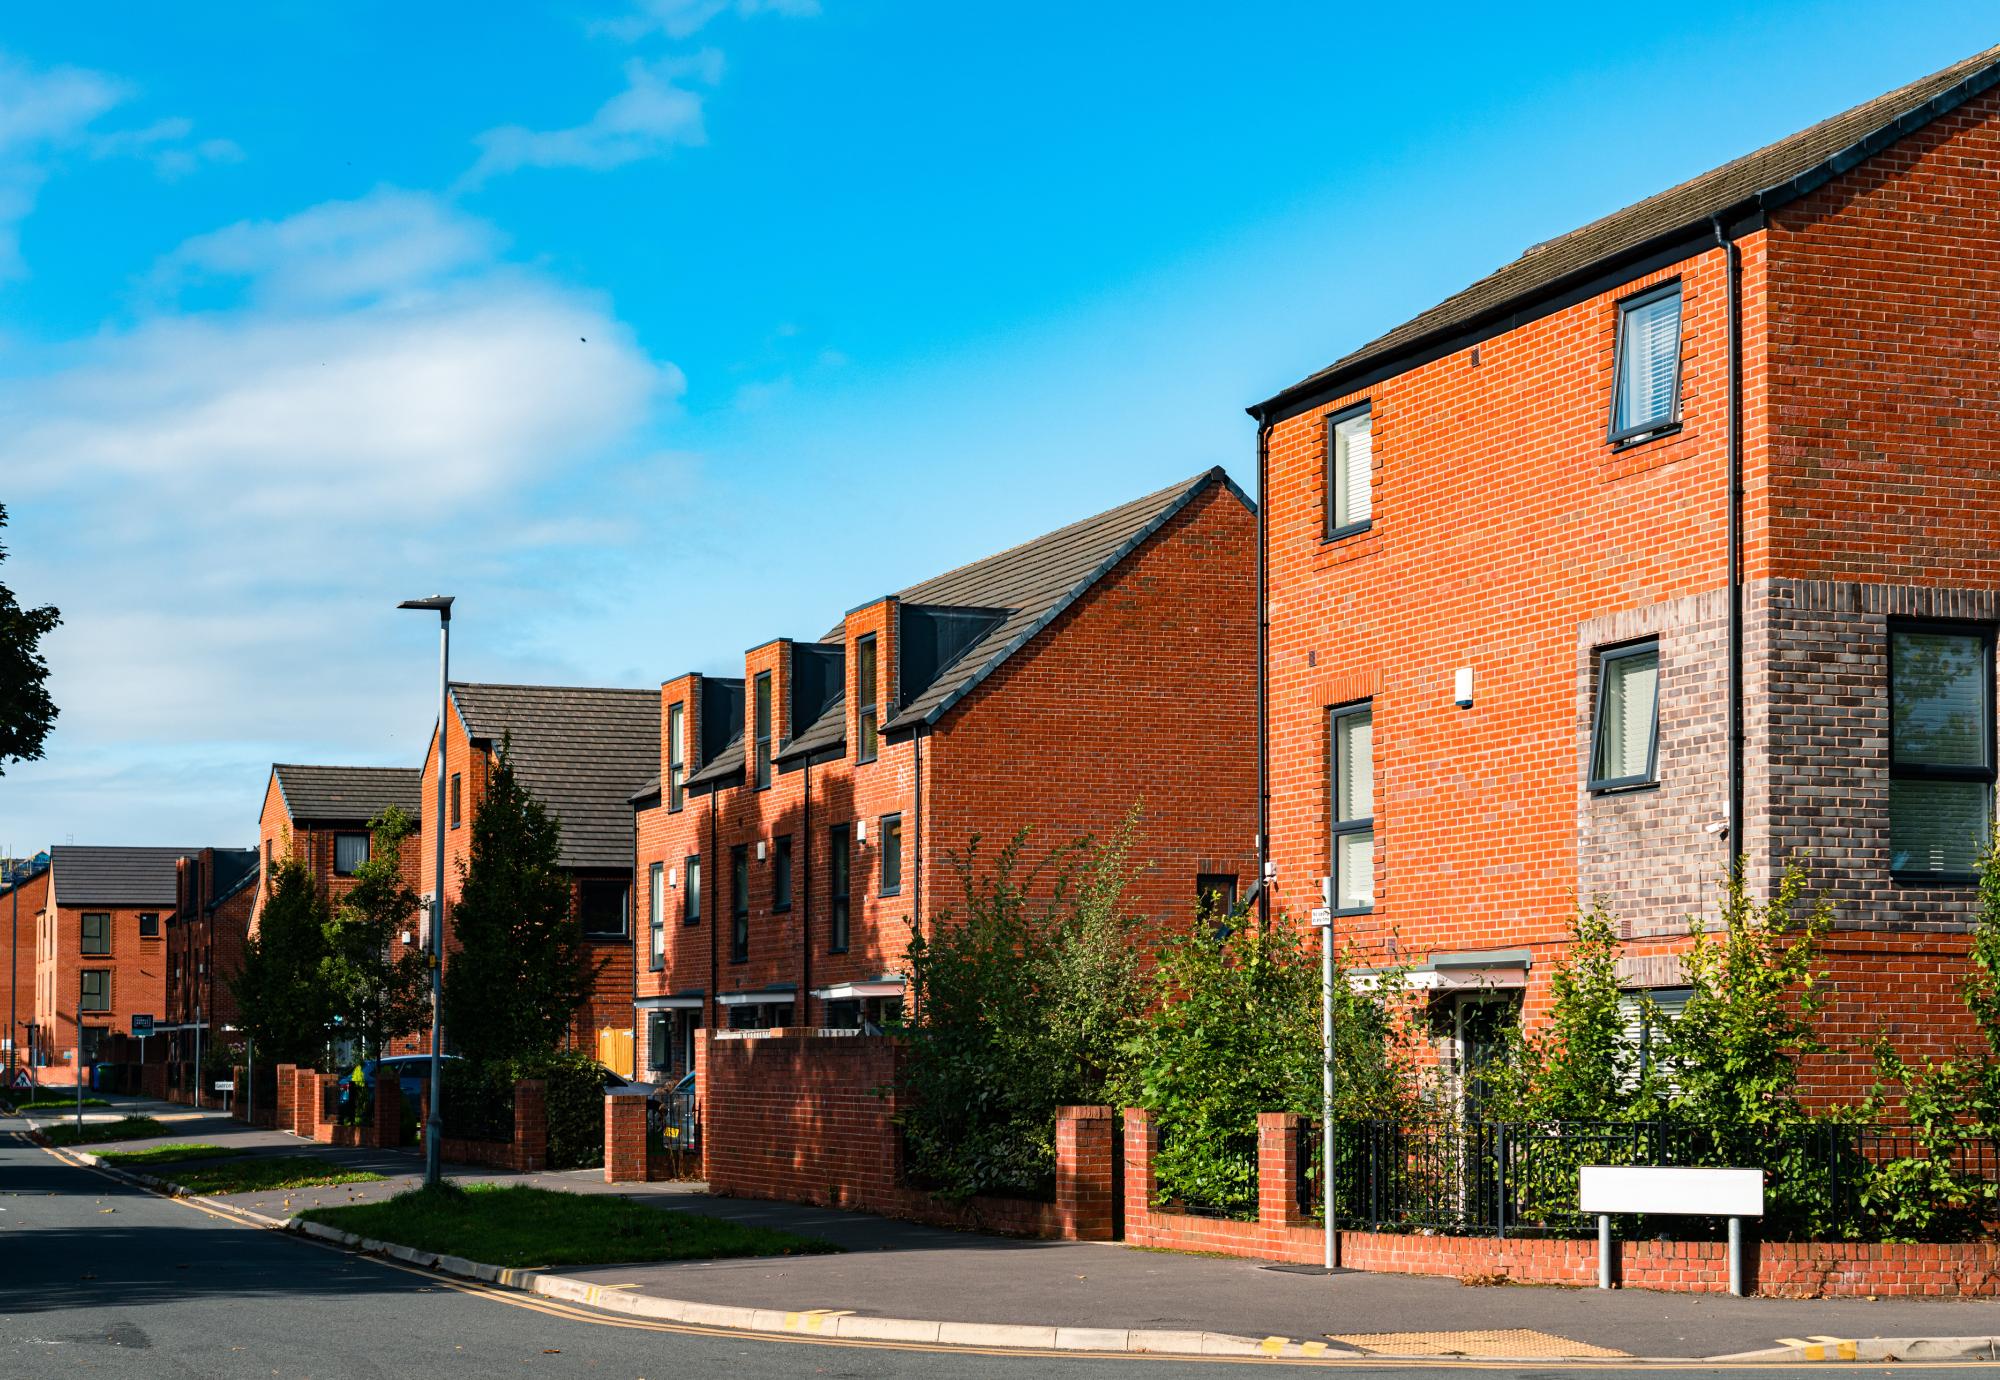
column 411, row 1071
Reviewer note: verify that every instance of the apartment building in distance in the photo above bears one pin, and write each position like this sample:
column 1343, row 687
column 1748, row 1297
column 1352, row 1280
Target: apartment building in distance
column 581, row 752
column 1675, row 538
column 100, row 952
column 206, row 930
column 806, row 814
column 24, row 892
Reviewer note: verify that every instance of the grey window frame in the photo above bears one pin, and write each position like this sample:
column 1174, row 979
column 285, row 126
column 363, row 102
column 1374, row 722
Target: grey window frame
column 691, row 890
column 659, row 1040
column 739, row 903
column 83, row 934
column 1328, row 531
column 367, row 849
column 1223, row 884
column 1915, row 771
column 1605, row 656
column 149, row 917
column 1338, row 828
column 1626, row 306
column 840, row 888
column 83, row 989
column 624, row 930
column 867, row 699
column 457, row 801
column 762, row 716
column 885, row 827
column 676, row 758
column 656, row 917
column 781, row 873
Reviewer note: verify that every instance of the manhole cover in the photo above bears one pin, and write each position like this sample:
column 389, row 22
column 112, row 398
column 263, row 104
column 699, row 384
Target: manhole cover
column 1516, row 1342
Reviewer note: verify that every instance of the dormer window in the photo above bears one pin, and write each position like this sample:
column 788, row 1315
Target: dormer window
column 865, row 715
column 676, row 757
column 763, row 730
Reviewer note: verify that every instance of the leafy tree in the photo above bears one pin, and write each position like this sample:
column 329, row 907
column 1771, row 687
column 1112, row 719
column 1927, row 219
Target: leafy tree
column 377, row 995
column 26, row 711
column 279, row 990
column 1020, row 999
column 515, row 973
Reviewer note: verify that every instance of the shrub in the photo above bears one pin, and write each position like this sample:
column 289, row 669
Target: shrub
column 1020, row 1003
column 479, row 1103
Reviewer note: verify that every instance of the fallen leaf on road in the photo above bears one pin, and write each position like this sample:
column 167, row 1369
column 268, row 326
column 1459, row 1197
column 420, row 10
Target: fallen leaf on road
column 551, row 1351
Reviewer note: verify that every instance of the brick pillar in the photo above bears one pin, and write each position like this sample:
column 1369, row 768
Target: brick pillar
column 287, row 1097
column 701, row 1039
column 388, row 1110
column 305, row 1103
column 239, row 1101
column 627, row 1147
column 531, row 1124
column 1141, row 1140
column 1084, row 1176
column 1278, row 1170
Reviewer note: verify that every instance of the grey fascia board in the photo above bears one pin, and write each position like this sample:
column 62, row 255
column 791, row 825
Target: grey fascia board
column 1076, row 592
column 1484, row 958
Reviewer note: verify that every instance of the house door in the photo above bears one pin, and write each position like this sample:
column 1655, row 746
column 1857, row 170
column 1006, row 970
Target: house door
column 1481, row 1024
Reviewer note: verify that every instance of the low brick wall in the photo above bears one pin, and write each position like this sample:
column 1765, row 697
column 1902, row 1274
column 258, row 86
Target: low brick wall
column 1786, row 1269
column 527, row 1152
column 805, row 1117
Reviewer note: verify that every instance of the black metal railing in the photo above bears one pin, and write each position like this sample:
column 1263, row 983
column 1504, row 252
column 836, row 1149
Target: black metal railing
column 1822, row 1179
column 673, row 1122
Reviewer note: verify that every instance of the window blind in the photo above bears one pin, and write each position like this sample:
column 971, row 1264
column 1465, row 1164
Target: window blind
column 1649, row 363
column 1353, row 469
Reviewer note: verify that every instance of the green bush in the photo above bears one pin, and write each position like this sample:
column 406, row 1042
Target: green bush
column 1234, row 1030
column 479, row 1103
column 1021, row 1001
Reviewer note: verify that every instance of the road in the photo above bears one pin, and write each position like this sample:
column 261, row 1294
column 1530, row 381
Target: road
column 101, row 1279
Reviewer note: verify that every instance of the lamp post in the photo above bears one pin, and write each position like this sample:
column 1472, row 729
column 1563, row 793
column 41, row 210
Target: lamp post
column 433, row 1134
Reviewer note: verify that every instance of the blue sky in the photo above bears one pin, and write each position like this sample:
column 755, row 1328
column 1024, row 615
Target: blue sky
column 653, row 329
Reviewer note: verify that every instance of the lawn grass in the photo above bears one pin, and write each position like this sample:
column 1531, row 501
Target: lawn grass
column 515, row 1226
column 98, row 1132
column 56, row 1103
column 166, row 1154
column 269, row 1175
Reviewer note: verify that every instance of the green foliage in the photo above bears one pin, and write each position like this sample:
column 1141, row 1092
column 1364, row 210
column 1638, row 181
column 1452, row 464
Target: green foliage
column 1579, row 1063
column 377, row 995
column 26, row 711
column 515, row 973
column 1234, row 1030
column 478, row 1102
column 1020, row 1002
column 279, row 992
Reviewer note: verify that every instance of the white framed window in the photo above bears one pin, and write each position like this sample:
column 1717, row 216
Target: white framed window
column 1646, row 393
column 1941, row 766
column 1350, row 470
column 1351, row 793
column 656, row 915
column 1625, row 732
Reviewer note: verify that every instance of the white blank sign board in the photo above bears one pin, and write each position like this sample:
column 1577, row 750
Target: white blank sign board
column 1688, row 1192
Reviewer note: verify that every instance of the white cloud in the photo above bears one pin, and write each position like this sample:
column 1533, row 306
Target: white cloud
column 658, row 111
column 47, row 112
column 227, row 503
column 680, row 18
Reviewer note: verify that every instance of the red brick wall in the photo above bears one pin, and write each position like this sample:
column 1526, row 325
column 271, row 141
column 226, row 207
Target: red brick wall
column 138, row 970
column 31, row 898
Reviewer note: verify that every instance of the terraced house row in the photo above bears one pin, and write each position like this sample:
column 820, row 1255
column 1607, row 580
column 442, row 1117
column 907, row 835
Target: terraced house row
column 1675, row 539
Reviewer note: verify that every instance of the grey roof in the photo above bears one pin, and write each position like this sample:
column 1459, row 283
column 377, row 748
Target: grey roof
column 829, row 730
column 648, row 791
column 116, row 876
column 340, row 793
column 1034, row 583
column 725, row 763
column 581, row 751
column 1755, row 183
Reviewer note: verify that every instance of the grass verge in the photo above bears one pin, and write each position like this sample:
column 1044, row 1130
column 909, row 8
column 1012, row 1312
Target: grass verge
column 98, row 1132
column 56, row 1104
column 270, row 1175
column 167, row 1154
column 515, row 1226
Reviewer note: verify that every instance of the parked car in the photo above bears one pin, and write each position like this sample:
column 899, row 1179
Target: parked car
column 412, row 1072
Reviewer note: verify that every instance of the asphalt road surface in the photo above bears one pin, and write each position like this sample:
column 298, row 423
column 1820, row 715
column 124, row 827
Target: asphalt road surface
column 101, row 1279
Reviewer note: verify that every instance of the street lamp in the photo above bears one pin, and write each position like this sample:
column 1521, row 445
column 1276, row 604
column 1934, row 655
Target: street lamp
column 433, row 1132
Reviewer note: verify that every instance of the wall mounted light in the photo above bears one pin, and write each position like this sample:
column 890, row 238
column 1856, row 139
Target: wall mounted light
column 1461, row 688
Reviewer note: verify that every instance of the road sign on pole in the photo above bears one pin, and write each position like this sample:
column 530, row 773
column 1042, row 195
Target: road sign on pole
column 142, row 1025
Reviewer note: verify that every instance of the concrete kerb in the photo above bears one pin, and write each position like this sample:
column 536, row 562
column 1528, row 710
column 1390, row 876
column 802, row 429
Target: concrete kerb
column 1876, row 1349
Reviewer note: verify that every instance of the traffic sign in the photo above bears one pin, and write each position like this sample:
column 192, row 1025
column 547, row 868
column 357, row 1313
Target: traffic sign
column 142, row 1025
column 22, row 1080
column 225, row 1085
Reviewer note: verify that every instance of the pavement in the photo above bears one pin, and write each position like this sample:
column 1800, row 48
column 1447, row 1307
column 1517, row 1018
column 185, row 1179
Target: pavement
column 897, row 1270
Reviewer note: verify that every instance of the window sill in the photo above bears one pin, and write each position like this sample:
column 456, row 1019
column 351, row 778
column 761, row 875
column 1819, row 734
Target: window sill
column 833, row 950
column 1352, row 911
column 737, row 960
column 785, row 909
column 1938, row 879
column 889, row 891
column 1622, row 787
column 1620, row 444
column 606, row 938
column 1352, row 529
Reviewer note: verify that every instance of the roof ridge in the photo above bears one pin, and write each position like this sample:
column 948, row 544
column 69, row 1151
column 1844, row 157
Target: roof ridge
column 524, row 685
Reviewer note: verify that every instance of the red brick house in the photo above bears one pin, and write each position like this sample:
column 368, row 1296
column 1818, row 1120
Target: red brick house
column 24, row 892
column 320, row 815
column 214, row 890
column 805, row 815
column 582, row 752
column 1676, row 537
column 100, row 955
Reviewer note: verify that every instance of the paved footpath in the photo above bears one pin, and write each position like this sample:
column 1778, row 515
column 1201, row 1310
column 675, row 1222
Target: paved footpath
column 896, row 1269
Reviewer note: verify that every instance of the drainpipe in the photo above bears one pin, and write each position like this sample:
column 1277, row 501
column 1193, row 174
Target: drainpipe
column 1263, row 677
column 1733, row 273
column 802, row 886
column 917, row 808
column 709, row 884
